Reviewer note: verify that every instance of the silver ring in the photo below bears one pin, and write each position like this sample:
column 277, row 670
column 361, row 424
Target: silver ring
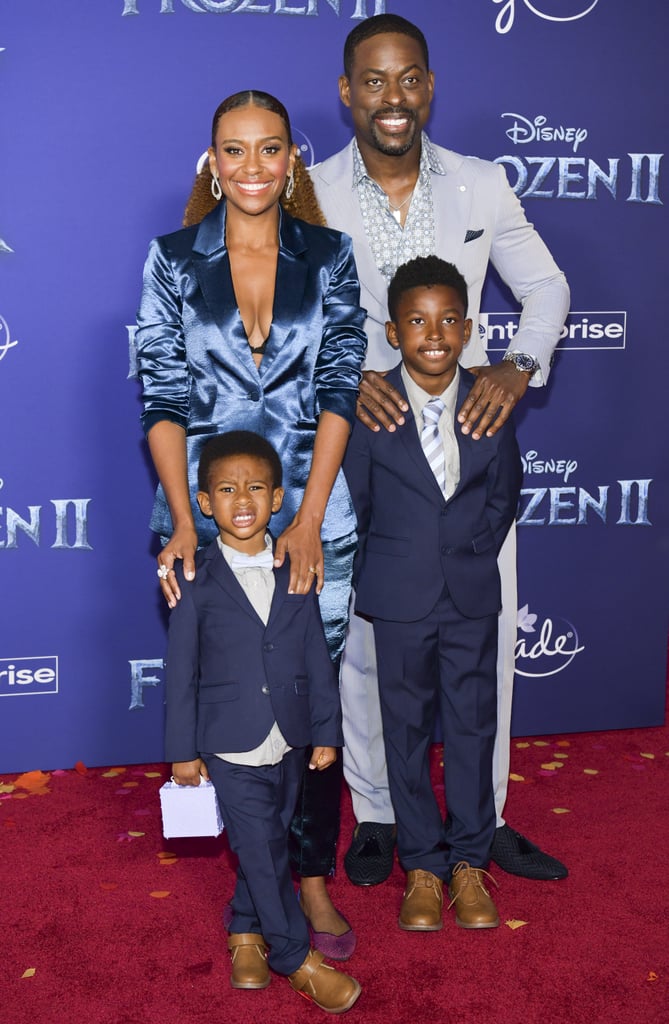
column 163, row 572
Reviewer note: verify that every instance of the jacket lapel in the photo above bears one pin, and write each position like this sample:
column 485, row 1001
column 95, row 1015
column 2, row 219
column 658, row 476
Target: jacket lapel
column 212, row 269
column 222, row 574
column 452, row 204
column 291, row 276
column 281, row 578
column 409, row 436
column 465, row 441
column 342, row 209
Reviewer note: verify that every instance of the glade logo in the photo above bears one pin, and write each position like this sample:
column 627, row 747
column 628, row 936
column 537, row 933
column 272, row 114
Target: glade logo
column 544, row 650
column 309, row 7
column 582, row 332
column 24, row 676
column 5, row 338
column 523, row 130
column 562, row 467
column 548, row 10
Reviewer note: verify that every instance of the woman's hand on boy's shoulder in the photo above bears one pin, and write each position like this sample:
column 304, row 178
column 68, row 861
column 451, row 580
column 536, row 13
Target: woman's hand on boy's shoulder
column 182, row 544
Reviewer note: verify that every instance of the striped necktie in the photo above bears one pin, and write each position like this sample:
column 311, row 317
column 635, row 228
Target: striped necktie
column 431, row 441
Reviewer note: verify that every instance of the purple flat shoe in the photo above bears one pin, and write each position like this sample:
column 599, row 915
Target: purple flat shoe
column 334, row 947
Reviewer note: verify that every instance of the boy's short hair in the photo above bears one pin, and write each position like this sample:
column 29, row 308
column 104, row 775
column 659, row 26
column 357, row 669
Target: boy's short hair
column 382, row 24
column 425, row 272
column 237, row 442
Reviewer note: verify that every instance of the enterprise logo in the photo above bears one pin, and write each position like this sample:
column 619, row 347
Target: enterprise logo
column 582, row 332
column 23, row 676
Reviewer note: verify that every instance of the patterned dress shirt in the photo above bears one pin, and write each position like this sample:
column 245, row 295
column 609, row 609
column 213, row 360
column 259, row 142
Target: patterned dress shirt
column 391, row 244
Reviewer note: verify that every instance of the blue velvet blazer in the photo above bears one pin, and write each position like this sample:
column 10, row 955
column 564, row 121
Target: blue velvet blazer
column 196, row 366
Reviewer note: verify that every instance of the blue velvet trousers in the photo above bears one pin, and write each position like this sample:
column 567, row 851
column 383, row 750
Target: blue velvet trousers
column 315, row 827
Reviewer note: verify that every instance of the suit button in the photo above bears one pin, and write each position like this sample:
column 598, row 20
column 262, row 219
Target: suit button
column 265, row 689
column 254, row 396
column 447, row 551
column 268, row 647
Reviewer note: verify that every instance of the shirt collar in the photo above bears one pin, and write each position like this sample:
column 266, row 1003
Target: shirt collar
column 418, row 398
column 228, row 552
column 429, row 161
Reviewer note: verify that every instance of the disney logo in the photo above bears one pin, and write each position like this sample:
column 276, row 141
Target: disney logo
column 523, row 130
column 531, row 464
column 5, row 339
column 551, row 651
column 575, row 9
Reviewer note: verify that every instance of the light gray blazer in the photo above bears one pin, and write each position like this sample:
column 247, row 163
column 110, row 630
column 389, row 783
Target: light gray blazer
column 479, row 220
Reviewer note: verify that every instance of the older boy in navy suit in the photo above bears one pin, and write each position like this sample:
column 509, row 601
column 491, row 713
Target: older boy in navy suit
column 250, row 684
column 433, row 509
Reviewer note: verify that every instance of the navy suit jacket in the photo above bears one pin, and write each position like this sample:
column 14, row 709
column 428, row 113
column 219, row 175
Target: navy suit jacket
column 412, row 540
column 229, row 677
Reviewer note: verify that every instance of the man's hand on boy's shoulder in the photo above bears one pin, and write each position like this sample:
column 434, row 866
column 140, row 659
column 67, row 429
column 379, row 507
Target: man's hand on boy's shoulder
column 487, row 407
column 492, row 397
column 379, row 403
column 189, row 773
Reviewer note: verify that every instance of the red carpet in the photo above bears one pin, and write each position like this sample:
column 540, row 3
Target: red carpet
column 106, row 923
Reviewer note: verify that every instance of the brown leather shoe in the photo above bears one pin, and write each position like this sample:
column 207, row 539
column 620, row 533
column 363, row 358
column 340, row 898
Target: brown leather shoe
column 422, row 902
column 249, row 961
column 331, row 990
column 473, row 906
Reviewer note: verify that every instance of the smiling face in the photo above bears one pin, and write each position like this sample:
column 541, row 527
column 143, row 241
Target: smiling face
column 252, row 158
column 389, row 92
column 430, row 330
column 241, row 497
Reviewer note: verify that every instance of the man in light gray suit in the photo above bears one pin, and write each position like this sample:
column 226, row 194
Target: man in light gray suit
column 399, row 196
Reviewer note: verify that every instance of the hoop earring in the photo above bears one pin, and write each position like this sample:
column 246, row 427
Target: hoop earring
column 216, row 189
column 290, row 186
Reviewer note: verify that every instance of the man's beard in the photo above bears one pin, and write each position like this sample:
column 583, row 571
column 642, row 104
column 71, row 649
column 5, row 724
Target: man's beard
column 388, row 147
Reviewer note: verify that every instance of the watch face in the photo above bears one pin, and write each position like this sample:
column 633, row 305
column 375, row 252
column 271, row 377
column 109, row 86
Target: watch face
column 523, row 361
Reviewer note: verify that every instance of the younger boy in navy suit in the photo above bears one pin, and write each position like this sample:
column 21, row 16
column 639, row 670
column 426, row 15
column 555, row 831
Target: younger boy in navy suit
column 433, row 508
column 250, row 684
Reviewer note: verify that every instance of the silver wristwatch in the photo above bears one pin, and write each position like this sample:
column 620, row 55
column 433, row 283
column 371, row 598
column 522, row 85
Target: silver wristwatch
column 522, row 361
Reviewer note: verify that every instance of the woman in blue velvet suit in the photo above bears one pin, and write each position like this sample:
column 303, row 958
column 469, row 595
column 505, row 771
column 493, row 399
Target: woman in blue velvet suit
column 251, row 320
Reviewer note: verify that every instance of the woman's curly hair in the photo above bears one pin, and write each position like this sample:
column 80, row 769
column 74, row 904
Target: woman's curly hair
column 303, row 202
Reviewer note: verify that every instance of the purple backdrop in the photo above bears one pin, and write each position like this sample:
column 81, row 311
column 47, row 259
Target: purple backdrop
column 105, row 109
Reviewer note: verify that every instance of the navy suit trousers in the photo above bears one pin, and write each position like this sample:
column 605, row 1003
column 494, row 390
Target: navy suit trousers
column 443, row 664
column 257, row 805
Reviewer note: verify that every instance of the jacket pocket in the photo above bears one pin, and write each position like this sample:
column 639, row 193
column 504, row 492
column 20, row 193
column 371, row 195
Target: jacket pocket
column 213, row 693
column 398, row 547
column 483, row 541
column 302, row 686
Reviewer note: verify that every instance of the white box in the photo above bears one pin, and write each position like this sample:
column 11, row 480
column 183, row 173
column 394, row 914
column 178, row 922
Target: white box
column 190, row 810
